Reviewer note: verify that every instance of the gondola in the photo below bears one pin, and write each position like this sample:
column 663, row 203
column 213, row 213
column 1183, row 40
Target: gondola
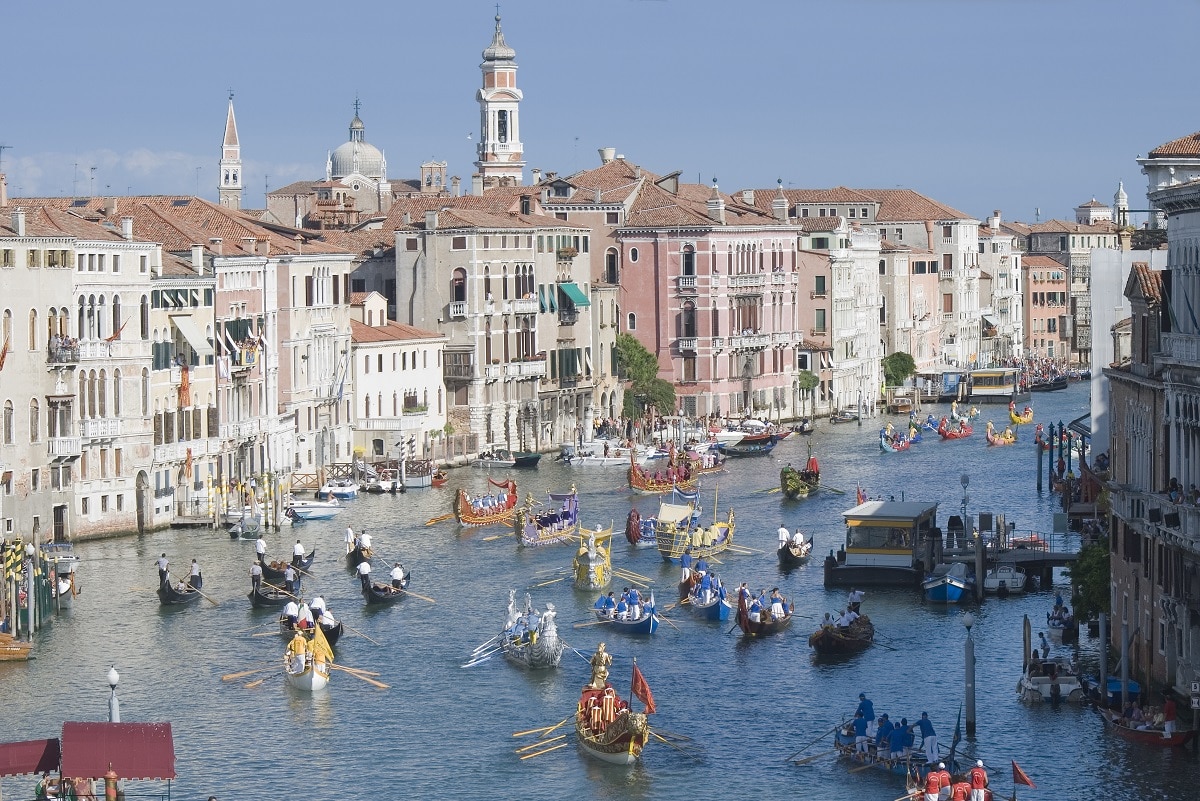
column 605, row 725
column 1147, row 736
column 643, row 481
column 851, row 639
column 843, row 416
column 488, row 509
column 357, row 556
column 1049, row 385
column 1007, row 438
column 530, row 639
column 310, row 670
column 713, row 607
column 891, row 443
column 332, row 633
column 791, row 484
column 552, row 523
column 274, row 575
column 805, row 426
column 378, row 594
column 168, row 595
column 750, row 445
column 760, row 627
column 792, row 556
column 946, row 432
column 264, row 597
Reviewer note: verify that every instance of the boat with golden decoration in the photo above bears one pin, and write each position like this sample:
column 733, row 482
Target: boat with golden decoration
column 606, row 725
column 487, row 509
column 676, row 476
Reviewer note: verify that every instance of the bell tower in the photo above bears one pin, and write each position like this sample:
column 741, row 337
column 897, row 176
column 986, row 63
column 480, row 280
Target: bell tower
column 230, row 186
column 500, row 153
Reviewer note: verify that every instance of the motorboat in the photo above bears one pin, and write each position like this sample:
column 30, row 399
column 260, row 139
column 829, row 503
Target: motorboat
column 344, row 489
column 1004, row 580
column 948, row 584
column 386, row 480
column 499, row 456
column 601, row 453
column 1050, row 680
column 299, row 509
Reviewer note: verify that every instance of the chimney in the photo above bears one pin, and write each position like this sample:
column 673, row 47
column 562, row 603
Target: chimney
column 748, row 197
column 110, row 206
column 127, row 229
column 217, row 244
column 197, row 256
column 264, row 246
column 607, row 154
column 779, row 208
column 545, row 197
column 929, row 235
column 598, row 194
column 3, row 190
column 248, row 244
column 1125, row 238
column 477, row 185
column 551, row 175
column 456, row 186
column 18, row 221
column 995, row 221
column 637, row 172
column 406, row 219
column 431, row 220
column 716, row 206
column 537, row 175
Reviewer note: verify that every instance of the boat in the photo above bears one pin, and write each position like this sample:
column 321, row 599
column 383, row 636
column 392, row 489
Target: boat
column 679, row 477
column 1062, row 629
column 439, row 478
column 499, row 456
column 357, row 555
column 946, row 432
column 273, row 573
column 592, row 566
column 487, row 509
column 332, row 633
column 599, row 453
column 955, row 417
column 1024, row 418
column 245, row 527
column 843, row 416
column 530, row 639
column 706, row 463
column 377, row 594
column 676, row 532
column 886, row 544
column 342, row 488
column 829, row 639
column 1050, row 680
column 264, row 597
column 385, row 480
column 308, row 670
column 912, row 765
column 891, row 442
column 170, row 595
column 418, row 474
column 299, row 509
column 804, row 427
column 795, row 483
column 60, row 556
column 1007, row 438
column 556, row 522
column 901, row 404
column 791, row 555
column 640, row 532
column 1004, row 580
column 12, row 649
column 1148, row 735
column 605, row 724
column 1049, row 384
column 1040, row 439
column 646, row 624
column 760, row 627
column 705, row 598
column 750, row 445
column 996, row 385
column 948, row 584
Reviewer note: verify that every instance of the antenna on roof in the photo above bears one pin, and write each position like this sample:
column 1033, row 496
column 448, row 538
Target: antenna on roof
column 92, row 182
column 2, row 149
column 1037, row 214
column 74, row 178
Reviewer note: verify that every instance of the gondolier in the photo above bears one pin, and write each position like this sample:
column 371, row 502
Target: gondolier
column 291, row 580
column 194, row 578
column 364, row 574
column 260, row 548
column 297, row 554
column 350, row 539
column 255, row 576
column 163, row 571
column 929, row 737
column 398, row 576
column 855, row 599
column 784, row 535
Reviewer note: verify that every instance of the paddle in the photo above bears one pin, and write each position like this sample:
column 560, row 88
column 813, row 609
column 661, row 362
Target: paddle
column 360, row 677
column 823, row 735
column 281, row 589
column 668, row 622
column 193, row 589
column 543, row 728
column 484, row 645
column 545, row 751
column 479, row 660
column 555, row 726
column 360, row 634
column 416, row 595
column 538, row 744
column 439, row 519
column 678, row 748
column 593, row 623
column 244, row 673
column 547, row 583
column 254, row 628
column 497, row 536
column 358, row 670
column 256, row 682
column 806, row 760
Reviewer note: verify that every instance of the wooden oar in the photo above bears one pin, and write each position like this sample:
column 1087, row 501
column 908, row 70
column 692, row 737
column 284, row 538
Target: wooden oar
column 439, row 519
column 244, row 673
column 361, row 677
column 545, row 750
column 678, row 748
column 832, row 489
column 555, row 726
column 861, row 768
column 668, row 622
column 256, row 682
column 823, row 735
column 193, row 589
column 358, row 670
column 631, row 573
column 259, row 626
column 547, row 583
column 543, row 728
column 266, row 634
column 484, row 645
column 281, row 589
column 417, row 595
column 538, row 744
column 806, row 760
column 478, row 661
column 497, row 537
column 593, row 623
column 359, row 633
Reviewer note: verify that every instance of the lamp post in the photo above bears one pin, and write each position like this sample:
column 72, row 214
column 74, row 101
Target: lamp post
column 964, row 479
column 114, row 706
column 968, row 620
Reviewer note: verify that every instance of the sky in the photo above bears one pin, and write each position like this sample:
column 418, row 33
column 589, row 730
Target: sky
column 1017, row 105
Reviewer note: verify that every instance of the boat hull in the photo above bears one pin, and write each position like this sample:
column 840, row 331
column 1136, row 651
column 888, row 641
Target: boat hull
column 646, row 624
column 169, row 596
column 851, row 639
column 620, row 743
column 1154, row 737
column 790, row 558
column 313, row 512
column 309, row 680
column 945, row 590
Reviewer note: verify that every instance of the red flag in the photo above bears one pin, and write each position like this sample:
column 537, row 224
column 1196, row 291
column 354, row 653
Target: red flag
column 641, row 689
column 1019, row 776
column 117, row 334
column 4, row 352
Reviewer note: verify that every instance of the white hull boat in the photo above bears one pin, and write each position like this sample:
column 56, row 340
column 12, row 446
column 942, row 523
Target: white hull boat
column 1004, row 580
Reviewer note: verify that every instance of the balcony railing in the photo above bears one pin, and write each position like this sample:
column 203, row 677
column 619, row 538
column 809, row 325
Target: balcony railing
column 458, row 309
column 493, row 372
column 747, row 281
column 243, row 430
column 778, row 279
column 458, row 371
column 525, row 306
column 818, row 332
column 103, row 428
column 687, row 283
column 818, row 293
column 749, row 341
column 687, row 345
column 568, row 316
column 62, row 354
column 781, row 338
column 534, row 369
column 718, row 344
column 64, row 447
column 409, row 420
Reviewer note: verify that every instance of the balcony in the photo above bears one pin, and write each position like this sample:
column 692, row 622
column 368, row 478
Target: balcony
column 524, row 306
column 568, row 316
column 778, row 279
column 1183, row 348
column 781, row 338
column 687, row 284
column 818, row 293
column 62, row 355
column 242, row 430
column 718, row 344
column 64, row 447
column 818, row 332
column 493, row 372
column 458, row 310
column 519, row 370
column 748, row 281
column 408, row 421
column 458, row 371
column 103, row 428
column 687, row 345
column 749, row 342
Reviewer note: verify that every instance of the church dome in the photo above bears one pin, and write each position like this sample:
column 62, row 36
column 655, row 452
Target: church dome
column 499, row 50
column 357, row 156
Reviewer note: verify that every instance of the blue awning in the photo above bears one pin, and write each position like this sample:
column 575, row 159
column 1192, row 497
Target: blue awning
column 576, row 295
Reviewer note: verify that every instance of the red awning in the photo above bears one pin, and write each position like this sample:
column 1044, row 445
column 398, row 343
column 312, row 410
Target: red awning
column 30, row 756
column 135, row 750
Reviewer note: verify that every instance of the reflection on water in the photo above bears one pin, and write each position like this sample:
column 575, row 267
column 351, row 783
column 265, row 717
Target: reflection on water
column 442, row 731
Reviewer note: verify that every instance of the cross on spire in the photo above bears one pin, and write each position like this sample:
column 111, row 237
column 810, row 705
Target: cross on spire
column 357, row 105
column 231, row 93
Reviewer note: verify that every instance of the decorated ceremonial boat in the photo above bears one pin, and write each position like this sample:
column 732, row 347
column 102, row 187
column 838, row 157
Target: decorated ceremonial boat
column 1006, row 438
column 1004, row 580
column 705, row 598
column 379, row 594
column 275, row 571
column 913, row 765
column 831, row 639
column 791, row 485
column 1147, row 734
column 606, row 726
column 332, row 633
column 946, row 432
column 1024, row 418
column 948, row 584
column 557, row 522
column 264, row 597
column 486, row 510
column 676, row 532
column 309, row 671
column 761, row 627
column 592, row 566
column 891, row 442
column 170, row 595
column 792, row 555
column 530, row 638
column 680, row 477
column 298, row 509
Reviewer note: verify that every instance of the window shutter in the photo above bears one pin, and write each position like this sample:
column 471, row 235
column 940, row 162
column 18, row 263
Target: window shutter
column 308, row 290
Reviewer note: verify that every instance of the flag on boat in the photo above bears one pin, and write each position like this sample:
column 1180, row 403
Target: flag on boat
column 641, row 689
column 1020, row 777
column 862, row 495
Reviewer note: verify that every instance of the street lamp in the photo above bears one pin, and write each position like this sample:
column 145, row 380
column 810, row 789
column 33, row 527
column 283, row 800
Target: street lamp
column 114, row 706
column 968, row 620
column 964, row 479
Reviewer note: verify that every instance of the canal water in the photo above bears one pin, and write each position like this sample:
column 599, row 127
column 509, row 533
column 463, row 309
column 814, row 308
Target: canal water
column 445, row 732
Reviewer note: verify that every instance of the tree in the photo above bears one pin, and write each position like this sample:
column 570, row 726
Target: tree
column 806, row 382
column 898, row 367
column 1091, row 580
column 639, row 367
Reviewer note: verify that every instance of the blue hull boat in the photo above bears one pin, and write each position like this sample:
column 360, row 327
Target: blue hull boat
column 948, row 584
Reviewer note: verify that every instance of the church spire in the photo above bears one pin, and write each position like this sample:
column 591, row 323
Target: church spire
column 500, row 153
column 230, row 186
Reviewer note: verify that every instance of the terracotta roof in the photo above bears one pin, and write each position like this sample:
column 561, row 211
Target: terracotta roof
column 617, row 181
column 392, row 332
column 1092, row 204
column 359, row 298
column 838, row 194
column 298, row 188
column 815, row 225
column 1016, row 228
column 1068, row 227
column 1043, row 262
column 905, row 205
column 1183, row 146
column 47, row 220
column 1150, row 282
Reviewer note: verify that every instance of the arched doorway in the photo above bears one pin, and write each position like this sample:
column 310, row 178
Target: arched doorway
column 142, row 500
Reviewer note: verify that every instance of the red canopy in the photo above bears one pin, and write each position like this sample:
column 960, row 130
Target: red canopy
column 29, row 756
column 134, row 750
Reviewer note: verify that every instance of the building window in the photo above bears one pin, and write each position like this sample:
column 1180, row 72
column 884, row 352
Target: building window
column 8, row 422
column 819, row 320
column 899, row 234
column 458, row 243
column 689, row 260
column 121, row 502
column 611, row 218
column 631, row 325
column 35, row 480
column 633, row 254
column 820, row 243
column 947, row 232
column 410, row 243
column 34, row 421
column 83, row 506
column 103, row 504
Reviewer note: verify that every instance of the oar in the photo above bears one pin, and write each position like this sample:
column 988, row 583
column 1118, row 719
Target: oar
column 543, row 728
column 497, row 537
column 806, row 760
column 547, row 583
column 479, row 661
column 259, row 626
column 266, row 634
column 193, row 589
column 594, row 623
column 832, row 489
column 678, row 748
column 861, row 768
column 631, row 573
column 814, row 742
column 359, row 676
column 439, row 519
column 555, row 726
column 281, row 589
column 416, row 595
column 545, row 751
column 256, row 682
column 358, row 670
column 668, row 622
column 244, row 673
column 484, row 645
column 538, row 744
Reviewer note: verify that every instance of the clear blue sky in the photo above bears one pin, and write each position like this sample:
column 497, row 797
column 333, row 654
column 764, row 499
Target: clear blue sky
column 1013, row 105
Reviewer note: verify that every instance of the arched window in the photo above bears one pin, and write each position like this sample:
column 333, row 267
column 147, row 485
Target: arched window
column 92, row 394
column 101, row 315
column 633, row 255
column 631, row 325
column 689, row 260
column 458, row 285
column 8, row 422
column 611, row 274
column 504, row 284
column 116, row 393
column 487, row 283
column 51, row 324
column 35, row 421
column 81, row 319
column 395, row 405
column 144, row 319
column 487, row 342
column 6, row 334
column 367, row 407
column 102, row 394
column 90, row 327
column 116, row 315
column 82, row 395
column 64, row 322
column 688, row 320
column 145, row 391
column 33, row 329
